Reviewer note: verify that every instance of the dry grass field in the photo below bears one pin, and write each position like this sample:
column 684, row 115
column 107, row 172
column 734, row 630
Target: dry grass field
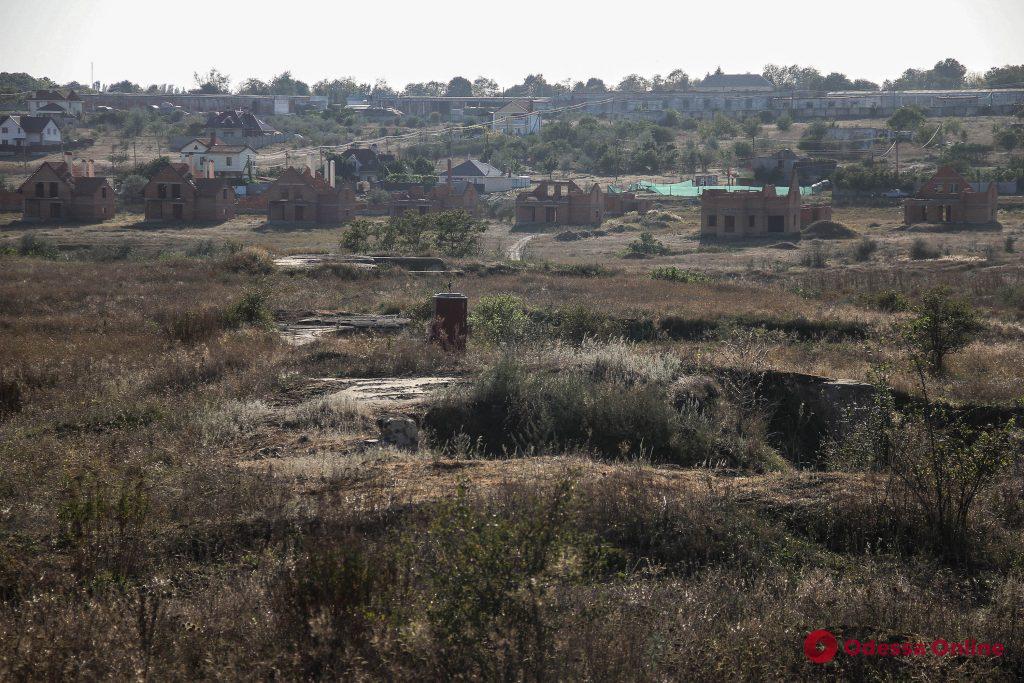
column 620, row 478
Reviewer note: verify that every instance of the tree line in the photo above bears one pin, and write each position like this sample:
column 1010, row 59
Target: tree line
column 947, row 74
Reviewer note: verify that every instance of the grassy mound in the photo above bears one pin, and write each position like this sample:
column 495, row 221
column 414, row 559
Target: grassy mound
column 828, row 230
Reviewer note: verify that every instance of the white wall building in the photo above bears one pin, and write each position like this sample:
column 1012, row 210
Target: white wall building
column 485, row 177
column 517, row 118
column 29, row 131
column 53, row 102
column 228, row 160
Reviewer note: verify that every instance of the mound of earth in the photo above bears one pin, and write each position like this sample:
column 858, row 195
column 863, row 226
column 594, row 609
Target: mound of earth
column 567, row 236
column 783, row 245
column 828, row 230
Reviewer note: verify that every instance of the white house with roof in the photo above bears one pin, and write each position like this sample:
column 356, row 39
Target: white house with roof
column 228, row 160
column 485, row 177
column 517, row 118
column 28, row 131
column 53, row 103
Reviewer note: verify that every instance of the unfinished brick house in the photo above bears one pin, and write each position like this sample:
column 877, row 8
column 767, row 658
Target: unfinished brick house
column 560, row 202
column 750, row 213
column 619, row 203
column 448, row 196
column 949, row 198
column 302, row 196
column 175, row 194
column 454, row 197
column 62, row 191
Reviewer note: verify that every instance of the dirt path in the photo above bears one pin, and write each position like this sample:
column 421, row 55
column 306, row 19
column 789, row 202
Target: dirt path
column 515, row 252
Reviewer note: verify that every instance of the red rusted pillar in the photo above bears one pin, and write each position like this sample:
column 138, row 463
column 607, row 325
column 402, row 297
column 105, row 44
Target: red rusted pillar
column 449, row 327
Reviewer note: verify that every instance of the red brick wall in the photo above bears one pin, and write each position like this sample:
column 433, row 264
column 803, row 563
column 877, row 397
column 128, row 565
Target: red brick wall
column 10, row 201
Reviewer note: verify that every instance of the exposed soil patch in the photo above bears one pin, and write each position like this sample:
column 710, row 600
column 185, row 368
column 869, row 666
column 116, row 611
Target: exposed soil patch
column 310, row 328
column 387, row 393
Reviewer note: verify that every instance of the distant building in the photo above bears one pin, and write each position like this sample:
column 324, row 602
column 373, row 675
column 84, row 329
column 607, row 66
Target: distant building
column 365, row 164
column 234, row 126
column 619, row 203
column 51, row 102
column 228, row 160
column 29, row 131
column 735, row 83
column 517, row 118
column 949, row 198
column 750, row 213
column 783, row 163
column 300, row 197
column 449, row 196
column 560, row 202
column 61, row 191
column 372, row 112
column 855, row 138
column 485, row 177
column 175, row 193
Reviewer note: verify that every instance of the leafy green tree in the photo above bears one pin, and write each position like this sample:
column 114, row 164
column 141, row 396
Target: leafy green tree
column 338, row 90
column 485, row 87
column 908, row 117
column 742, row 149
column 212, row 83
column 784, row 122
column 459, row 87
column 593, row 85
column 124, row 87
column 1006, row 138
column 677, row 80
column 285, row 84
column 253, row 86
column 943, row 324
column 1009, row 76
column 752, row 128
column 634, row 83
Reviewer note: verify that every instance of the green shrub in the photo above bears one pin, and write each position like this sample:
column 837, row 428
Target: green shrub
column 31, row 245
column 921, row 249
column 647, row 245
column 673, row 274
column 252, row 260
column 815, row 255
column 251, row 309
column 499, row 319
column 193, row 326
column 511, row 410
column 864, row 249
column 943, row 324
column 889, row 300
column 577, row 322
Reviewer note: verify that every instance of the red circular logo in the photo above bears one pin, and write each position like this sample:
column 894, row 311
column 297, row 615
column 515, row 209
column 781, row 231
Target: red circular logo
column 820, row 646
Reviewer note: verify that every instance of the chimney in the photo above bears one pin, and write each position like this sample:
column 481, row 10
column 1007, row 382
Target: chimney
column 90, row 168
column 70, row 161
column 449, row 171
column 209, row 168
column 331, row 171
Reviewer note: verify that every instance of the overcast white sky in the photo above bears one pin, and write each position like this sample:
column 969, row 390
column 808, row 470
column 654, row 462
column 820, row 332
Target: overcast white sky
column 405, row 41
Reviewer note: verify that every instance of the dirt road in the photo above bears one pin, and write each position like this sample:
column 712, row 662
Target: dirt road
column 515, row 252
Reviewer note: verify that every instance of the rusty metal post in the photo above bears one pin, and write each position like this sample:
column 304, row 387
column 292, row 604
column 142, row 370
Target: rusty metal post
column 449, row 326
